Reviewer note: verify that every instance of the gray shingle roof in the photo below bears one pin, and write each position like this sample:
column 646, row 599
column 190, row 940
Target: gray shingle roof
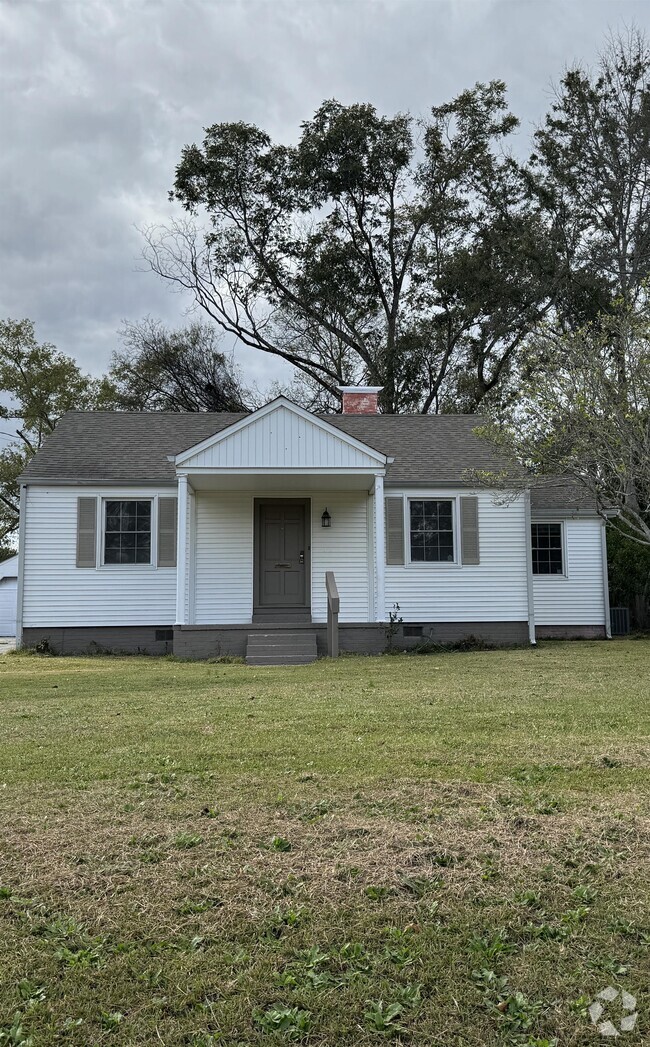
column 561, row 494
column 121, row 446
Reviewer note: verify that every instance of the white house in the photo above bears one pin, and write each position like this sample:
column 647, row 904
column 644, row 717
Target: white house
column 8, row 595
column 206, row 534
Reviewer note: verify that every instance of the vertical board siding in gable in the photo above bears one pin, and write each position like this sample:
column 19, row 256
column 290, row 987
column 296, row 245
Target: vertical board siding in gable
column 280, row 440
column 223, row 559
column 343, row 549
column 578, row 598
column 57, row 593
column 493, row 591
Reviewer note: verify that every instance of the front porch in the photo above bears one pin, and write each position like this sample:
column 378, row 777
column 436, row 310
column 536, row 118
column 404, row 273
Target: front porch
column 265, row 509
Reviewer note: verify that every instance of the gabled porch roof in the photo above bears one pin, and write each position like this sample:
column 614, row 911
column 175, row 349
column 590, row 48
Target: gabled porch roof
column 281, row 444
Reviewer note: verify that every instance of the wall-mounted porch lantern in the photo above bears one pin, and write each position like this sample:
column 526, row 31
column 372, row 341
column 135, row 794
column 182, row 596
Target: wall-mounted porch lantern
column 326, row 519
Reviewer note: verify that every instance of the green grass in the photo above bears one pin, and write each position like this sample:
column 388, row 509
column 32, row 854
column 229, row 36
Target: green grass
column 442, row 850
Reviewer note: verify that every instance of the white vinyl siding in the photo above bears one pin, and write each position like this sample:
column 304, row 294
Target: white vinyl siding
column 495, row 590
column 58, row 593
column 575, row 597
column 222, row 576
column 8, row 595
column 343, row 549
column 223, row 559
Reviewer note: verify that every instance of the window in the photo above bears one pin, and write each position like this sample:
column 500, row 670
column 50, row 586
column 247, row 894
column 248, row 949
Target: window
column 432, row 531
column 547, row 548
column 127, row 534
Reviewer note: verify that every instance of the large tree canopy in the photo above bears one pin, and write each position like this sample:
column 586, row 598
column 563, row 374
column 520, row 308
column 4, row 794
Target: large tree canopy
column 590, row 171
column 40, row 384
column 377, row 249
column 183, row 370
column 574, row 418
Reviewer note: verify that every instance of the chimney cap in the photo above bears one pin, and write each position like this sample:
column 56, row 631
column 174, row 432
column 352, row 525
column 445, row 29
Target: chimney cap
column 359, row 388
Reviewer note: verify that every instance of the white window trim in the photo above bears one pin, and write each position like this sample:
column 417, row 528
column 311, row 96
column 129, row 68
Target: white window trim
column 436, row 565
column 101, row 534
column 564, row 574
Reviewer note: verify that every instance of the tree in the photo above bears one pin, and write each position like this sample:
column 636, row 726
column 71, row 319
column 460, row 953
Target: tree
column 41, row 384
column 590, row 172
column 183, row 370
column 378, row 249
column 629, row 577
column 575, row 420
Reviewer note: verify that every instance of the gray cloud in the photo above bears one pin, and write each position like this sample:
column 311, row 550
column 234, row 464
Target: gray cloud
column 97, row 98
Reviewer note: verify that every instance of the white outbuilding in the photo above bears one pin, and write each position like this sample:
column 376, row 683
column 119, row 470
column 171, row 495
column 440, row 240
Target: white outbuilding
column 8, row 594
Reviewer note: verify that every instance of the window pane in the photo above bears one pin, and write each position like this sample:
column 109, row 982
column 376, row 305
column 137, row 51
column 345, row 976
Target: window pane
column 127, row 555
column 432, row 531
column 546, row 541
column 128, row 517
column 127, row 537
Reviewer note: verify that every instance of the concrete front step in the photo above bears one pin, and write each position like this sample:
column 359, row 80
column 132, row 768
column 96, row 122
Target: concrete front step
column 278, row 640
column 281, row 648
column 280, row 659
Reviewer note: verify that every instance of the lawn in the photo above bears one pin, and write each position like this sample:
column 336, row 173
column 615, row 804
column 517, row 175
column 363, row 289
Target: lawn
column 449, row 850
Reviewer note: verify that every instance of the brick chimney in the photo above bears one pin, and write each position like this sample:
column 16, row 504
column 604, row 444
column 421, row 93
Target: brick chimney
column 360, row 399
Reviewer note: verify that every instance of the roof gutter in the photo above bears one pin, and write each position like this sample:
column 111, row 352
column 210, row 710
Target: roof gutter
column 100, row 481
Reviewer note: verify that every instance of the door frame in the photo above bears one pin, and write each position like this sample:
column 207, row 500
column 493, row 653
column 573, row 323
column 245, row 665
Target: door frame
column 257, row 546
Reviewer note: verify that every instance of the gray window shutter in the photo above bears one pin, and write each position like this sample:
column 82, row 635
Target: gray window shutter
column 394, row 530
column 167, row 509
column 469, row 541
column 86, row 532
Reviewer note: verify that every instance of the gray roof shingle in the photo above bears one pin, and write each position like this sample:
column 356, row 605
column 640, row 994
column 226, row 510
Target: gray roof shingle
column 561, row 494
column 121, row 446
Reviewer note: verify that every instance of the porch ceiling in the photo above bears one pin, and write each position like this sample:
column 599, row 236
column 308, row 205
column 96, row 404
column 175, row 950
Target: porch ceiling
column 281, row 481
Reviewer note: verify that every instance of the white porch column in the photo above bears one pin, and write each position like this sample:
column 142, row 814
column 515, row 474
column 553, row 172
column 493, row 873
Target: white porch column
column 181, row 550
column 380, row 554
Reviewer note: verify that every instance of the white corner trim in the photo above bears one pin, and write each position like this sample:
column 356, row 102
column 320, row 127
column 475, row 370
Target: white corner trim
column 270, row 408
column 529, row 570
column 20, row 585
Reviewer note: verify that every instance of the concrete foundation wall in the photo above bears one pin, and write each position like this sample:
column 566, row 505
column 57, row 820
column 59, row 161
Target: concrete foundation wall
column 130, row 639
column 212, row 641
column 501, row 634
column 570, row 632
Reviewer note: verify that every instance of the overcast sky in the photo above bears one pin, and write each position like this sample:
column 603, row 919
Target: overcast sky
column 97, row 98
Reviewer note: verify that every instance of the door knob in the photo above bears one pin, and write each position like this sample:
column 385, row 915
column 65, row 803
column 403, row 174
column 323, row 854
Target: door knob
column 301, row 558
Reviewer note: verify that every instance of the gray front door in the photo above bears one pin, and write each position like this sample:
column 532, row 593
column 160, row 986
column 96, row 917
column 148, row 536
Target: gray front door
column 282, row 554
